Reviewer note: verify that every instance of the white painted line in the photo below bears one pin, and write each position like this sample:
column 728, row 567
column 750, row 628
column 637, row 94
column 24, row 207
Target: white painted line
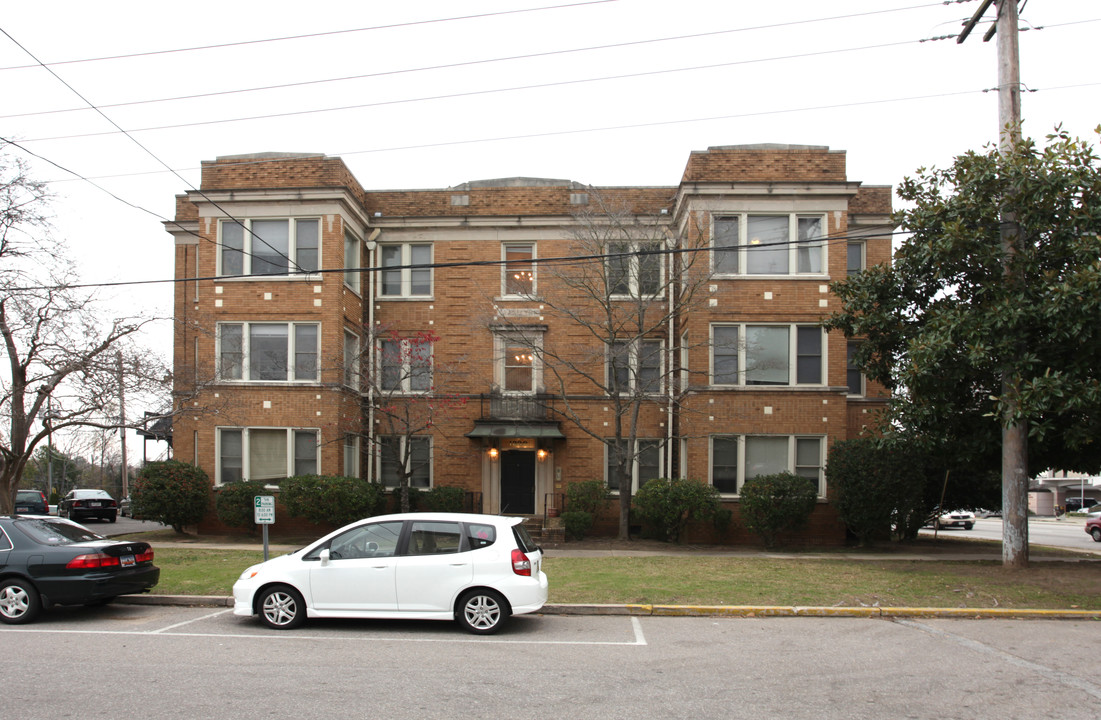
column 1050, row 673
column 164, row 630
column 639, row 638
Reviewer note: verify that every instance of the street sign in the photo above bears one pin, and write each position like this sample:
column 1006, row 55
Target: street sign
column 264, row 510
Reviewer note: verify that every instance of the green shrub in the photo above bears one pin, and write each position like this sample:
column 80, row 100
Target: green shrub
column 666, row 506
column 587, row 496
column 878, row 488
column 171, row 492
column 332, row 500
column 771, row 504
column 234, row 503
column 443, row 498
column 414, row 499
column 577, row 523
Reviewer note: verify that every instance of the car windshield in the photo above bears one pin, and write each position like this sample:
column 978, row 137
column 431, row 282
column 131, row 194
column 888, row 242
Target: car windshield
column 55, row 532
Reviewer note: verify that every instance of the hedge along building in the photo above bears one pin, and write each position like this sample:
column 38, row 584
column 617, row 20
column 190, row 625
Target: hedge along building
column 494, row 335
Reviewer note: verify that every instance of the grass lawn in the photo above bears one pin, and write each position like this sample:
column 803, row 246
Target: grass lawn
column 732, row 580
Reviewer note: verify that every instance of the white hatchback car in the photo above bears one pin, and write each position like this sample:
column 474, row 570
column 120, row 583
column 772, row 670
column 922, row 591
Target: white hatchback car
column 475, row 569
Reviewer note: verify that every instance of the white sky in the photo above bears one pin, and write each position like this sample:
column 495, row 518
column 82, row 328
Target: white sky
column 435, row 112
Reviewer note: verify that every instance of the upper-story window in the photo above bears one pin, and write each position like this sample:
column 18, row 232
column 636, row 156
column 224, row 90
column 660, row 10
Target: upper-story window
column 405, row 365
column 518, row 365
column 767, row 355
column 856, row 260
column 853, row 377
column 635, row 367
column 753, row 244
column 351, row 261
column 268, row 352
column 519, row 270
column 634, row 268
column 351, row 360
column 269, row 247
column 406, row 270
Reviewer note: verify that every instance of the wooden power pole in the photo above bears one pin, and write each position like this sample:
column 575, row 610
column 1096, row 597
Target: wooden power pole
column 1014, row 432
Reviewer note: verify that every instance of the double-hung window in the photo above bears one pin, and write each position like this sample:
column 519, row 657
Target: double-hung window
column 405, row 365
column 351, row 360
column 853, row 377
column 406, row 270
column 758, row 244
column 268, row 352
column 634, row 269
column 351, row 261
column 635, row 367
column 767, row 355
column 518, row 367
column 737, row 458
column 519, row 270
column 269, row 247
column 265, row 454
column 855, row 261
column 643, row 465
column 402, row 454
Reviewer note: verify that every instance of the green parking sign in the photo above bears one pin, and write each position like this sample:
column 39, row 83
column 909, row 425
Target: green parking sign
column 264, row 510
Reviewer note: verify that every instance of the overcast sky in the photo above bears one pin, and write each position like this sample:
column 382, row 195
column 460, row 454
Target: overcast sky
column 430, row 94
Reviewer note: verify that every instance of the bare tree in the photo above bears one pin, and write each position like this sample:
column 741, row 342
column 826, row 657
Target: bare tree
column 620, row 292
column 408, row 400
column 60, row 366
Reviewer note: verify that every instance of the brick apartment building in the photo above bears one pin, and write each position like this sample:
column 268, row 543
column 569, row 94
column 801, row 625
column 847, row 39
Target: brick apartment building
column 310, row 313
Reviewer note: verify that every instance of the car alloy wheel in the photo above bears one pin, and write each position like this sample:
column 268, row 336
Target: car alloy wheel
column 282, row 608
column 482, row 611
column 18, row 602
column 1096, row 532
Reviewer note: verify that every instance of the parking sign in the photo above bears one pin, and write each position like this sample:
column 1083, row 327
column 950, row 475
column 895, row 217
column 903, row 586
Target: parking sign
column 264, row 510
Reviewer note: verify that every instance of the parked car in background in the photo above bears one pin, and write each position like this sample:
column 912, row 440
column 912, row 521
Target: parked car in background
column 50, row 561
column 81, row 504
column 955, row 518
column 31, row 502
column 474, row 569
column 124, row 507
column 1083, row 505
column 1093, row 527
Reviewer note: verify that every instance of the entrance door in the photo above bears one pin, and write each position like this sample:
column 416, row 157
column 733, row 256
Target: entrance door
column 518, row 482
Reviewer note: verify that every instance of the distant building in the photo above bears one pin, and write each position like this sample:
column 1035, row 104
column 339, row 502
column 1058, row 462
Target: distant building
column 289, row 270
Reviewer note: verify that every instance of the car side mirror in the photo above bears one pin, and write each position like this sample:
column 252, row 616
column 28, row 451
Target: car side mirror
column 324, row 556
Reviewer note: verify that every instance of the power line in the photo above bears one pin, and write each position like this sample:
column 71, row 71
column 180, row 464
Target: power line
column 486, row 61
column 309, row 35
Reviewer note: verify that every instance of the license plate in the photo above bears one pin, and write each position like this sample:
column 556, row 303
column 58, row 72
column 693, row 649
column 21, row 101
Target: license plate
column 22, row 508
column 127, row 560
column 93, row 504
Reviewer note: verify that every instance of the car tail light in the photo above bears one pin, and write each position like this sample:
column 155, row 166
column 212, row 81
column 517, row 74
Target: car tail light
column 94, row 560
column 77, row 503
column 520, row 563
column 146, row 556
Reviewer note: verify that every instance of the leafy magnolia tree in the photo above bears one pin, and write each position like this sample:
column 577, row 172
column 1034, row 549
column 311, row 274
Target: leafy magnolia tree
column 62, row 364
column 976, row 339
column 617, row 286
column 408, row 397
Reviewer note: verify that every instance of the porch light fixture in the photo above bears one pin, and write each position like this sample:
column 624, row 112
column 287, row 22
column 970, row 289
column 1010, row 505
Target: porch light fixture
column 493, row 453
column 542, row 454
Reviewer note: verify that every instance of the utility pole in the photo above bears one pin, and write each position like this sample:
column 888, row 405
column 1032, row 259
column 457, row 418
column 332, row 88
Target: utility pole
column 1014, row 432
column 122, row 425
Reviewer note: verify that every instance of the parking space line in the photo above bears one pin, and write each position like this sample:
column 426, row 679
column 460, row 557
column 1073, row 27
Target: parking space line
column 165, row 630
column 1050, row 673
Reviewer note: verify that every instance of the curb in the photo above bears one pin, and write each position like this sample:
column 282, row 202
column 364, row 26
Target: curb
column 743, row 611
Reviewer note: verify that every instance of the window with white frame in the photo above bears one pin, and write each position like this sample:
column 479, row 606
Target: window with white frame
column 351, row 261
column 737, row 458
column 518, row 367
column 758, row 244
column 634, row 269
column 853, row 377
column 402, row 452
column 269, row 246
column 635, row 367
column 519, row 270
column 767, row 354
column 855, row 260
column 351, row 359
column 266, row 454
column 351, row 455
column 406, row 270
column 644, row 465
column 268, row 352
column 405, row 365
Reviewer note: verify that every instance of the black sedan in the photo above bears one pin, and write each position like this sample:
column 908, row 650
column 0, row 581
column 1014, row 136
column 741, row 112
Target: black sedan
column 47, row 561
column 88, row 503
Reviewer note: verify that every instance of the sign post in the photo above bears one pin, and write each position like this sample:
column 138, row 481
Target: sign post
column 264, row 515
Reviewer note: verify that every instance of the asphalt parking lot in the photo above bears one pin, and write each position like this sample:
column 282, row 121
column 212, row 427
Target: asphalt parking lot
column 171, row 662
